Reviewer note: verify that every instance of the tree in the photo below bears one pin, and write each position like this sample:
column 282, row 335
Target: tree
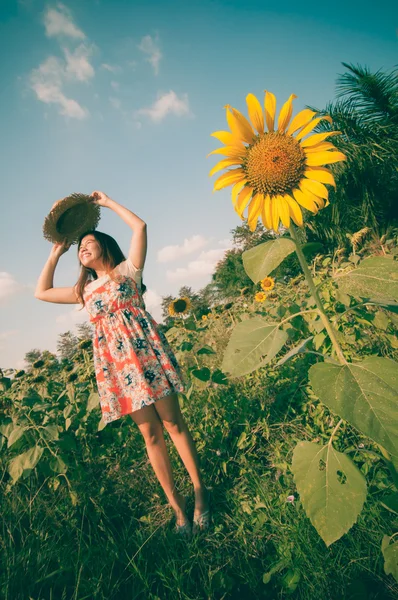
column 85, row 331
column 67, row 344
column 366, row 112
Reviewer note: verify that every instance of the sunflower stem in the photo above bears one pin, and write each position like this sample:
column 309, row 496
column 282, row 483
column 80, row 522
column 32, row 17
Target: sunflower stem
column 316, row 297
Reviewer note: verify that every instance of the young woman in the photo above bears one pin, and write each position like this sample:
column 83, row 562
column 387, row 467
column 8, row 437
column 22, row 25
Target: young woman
column 136, row 370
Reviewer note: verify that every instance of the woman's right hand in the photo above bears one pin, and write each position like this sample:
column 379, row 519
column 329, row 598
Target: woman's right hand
column 59, row 249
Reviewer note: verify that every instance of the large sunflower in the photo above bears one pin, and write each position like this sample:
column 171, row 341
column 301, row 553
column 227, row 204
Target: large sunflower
column 276, row 174
column 179, row 306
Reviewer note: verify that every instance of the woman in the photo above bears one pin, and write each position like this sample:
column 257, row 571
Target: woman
column 136, row 370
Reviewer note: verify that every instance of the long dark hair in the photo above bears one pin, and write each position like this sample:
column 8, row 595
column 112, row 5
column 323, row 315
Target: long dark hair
column 111, row 257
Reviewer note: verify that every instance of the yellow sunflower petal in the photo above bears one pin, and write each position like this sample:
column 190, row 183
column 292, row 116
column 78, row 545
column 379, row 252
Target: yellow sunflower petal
column 284, row 211
column 226, row 138
column 239, row 125
column 320, row 174
column 235, row 191
column 315, row 187
column 295, row 211
column 322, row 147
column 266, row 213
column 300, row 120
column 311, row 125
column 232, row 151
column 286, row 113
column 254, row 211
column 255, row 112
column 275, row 214
column 324, row 158
column 227, row 162
column 305, row 200
column 270, row 108
column 243, row 200
column 317, row 138
column 229, row 178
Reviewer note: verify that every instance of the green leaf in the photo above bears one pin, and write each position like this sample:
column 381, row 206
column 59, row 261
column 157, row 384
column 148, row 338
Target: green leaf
column 24, row 462
column 261, row 260
column 219, row 377
column 390, row 553
column 381, row 321
column 92, row 402
column 390, row 502
column 343, row 298
column 57, row 465
column 318, row 340
column 101, row 424
column 16, row 433
column 291, row 580
column 250, row 342
column 202, row 374
column 190, row 325
column 206, row 350
column 296, row 350
column 376, row 277
column 331, row 488
column 365, row 394
column 51, row 432
column 311, row 248
column 186, row 346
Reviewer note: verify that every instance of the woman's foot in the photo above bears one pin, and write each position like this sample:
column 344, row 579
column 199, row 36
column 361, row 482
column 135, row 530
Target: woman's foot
column 182, row 526
column 201, row 516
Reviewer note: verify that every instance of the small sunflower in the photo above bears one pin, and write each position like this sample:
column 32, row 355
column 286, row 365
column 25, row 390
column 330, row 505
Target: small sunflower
column 276, row 174
column 260, row 297
column 204, row 317
column 268, row 283
column 179, row 306
column 272, row 296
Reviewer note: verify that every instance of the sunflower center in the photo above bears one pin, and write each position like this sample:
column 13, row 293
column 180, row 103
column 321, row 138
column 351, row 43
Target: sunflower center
column 180, row 305
column 274, row 164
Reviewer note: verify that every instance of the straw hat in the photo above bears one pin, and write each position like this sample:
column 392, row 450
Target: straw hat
column 70, row 217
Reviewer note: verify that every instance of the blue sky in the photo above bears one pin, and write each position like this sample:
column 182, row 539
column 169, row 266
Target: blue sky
column 122, row 96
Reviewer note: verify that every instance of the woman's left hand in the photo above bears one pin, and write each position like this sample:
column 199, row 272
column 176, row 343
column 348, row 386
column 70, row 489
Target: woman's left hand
column 99, row 198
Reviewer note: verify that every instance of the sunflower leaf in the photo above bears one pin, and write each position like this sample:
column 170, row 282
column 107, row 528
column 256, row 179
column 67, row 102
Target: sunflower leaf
column 390, row 553
column 376, row 278
column 253, row 343
column 365, row 394
column 331, row 488
column 261, row 260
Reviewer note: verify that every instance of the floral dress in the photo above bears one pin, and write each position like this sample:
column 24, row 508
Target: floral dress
column 134, row 364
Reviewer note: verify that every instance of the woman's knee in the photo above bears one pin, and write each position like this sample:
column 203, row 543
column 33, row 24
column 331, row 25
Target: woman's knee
column 174, row 425
column 151, row 433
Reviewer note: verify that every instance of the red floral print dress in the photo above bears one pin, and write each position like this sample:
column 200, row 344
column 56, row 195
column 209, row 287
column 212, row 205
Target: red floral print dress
column 134, row 364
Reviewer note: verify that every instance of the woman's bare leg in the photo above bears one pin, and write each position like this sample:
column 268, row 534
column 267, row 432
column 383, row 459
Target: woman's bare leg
column 168, row 409
column 151, row 428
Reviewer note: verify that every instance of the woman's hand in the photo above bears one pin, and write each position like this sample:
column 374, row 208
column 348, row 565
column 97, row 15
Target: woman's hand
column 59, row 249
column 99, row 198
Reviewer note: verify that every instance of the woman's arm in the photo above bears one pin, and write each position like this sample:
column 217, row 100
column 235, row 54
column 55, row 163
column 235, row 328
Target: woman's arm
column 138, row 245
column 44, row 288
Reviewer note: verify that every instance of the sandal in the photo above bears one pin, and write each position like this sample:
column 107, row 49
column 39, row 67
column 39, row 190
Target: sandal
column 184, row 530
column 202, row 522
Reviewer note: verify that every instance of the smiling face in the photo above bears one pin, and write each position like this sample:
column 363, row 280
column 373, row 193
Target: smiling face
column 90, row 252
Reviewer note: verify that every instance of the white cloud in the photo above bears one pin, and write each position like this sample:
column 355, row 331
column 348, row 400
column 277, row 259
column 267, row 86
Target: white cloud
column 111, row 68
column 4, row 335
column 153, row 303
column 149, row 47
column 115, row 102
column 8, row 285
column 58, row 22
column 47, row 81
column 71, row 317
column 115, row 85
column 166, row 104
column 189, row 245
column 203, row 265
column 78, row 66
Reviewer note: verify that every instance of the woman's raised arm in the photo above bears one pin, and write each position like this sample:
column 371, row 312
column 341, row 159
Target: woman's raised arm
column 44, row 288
